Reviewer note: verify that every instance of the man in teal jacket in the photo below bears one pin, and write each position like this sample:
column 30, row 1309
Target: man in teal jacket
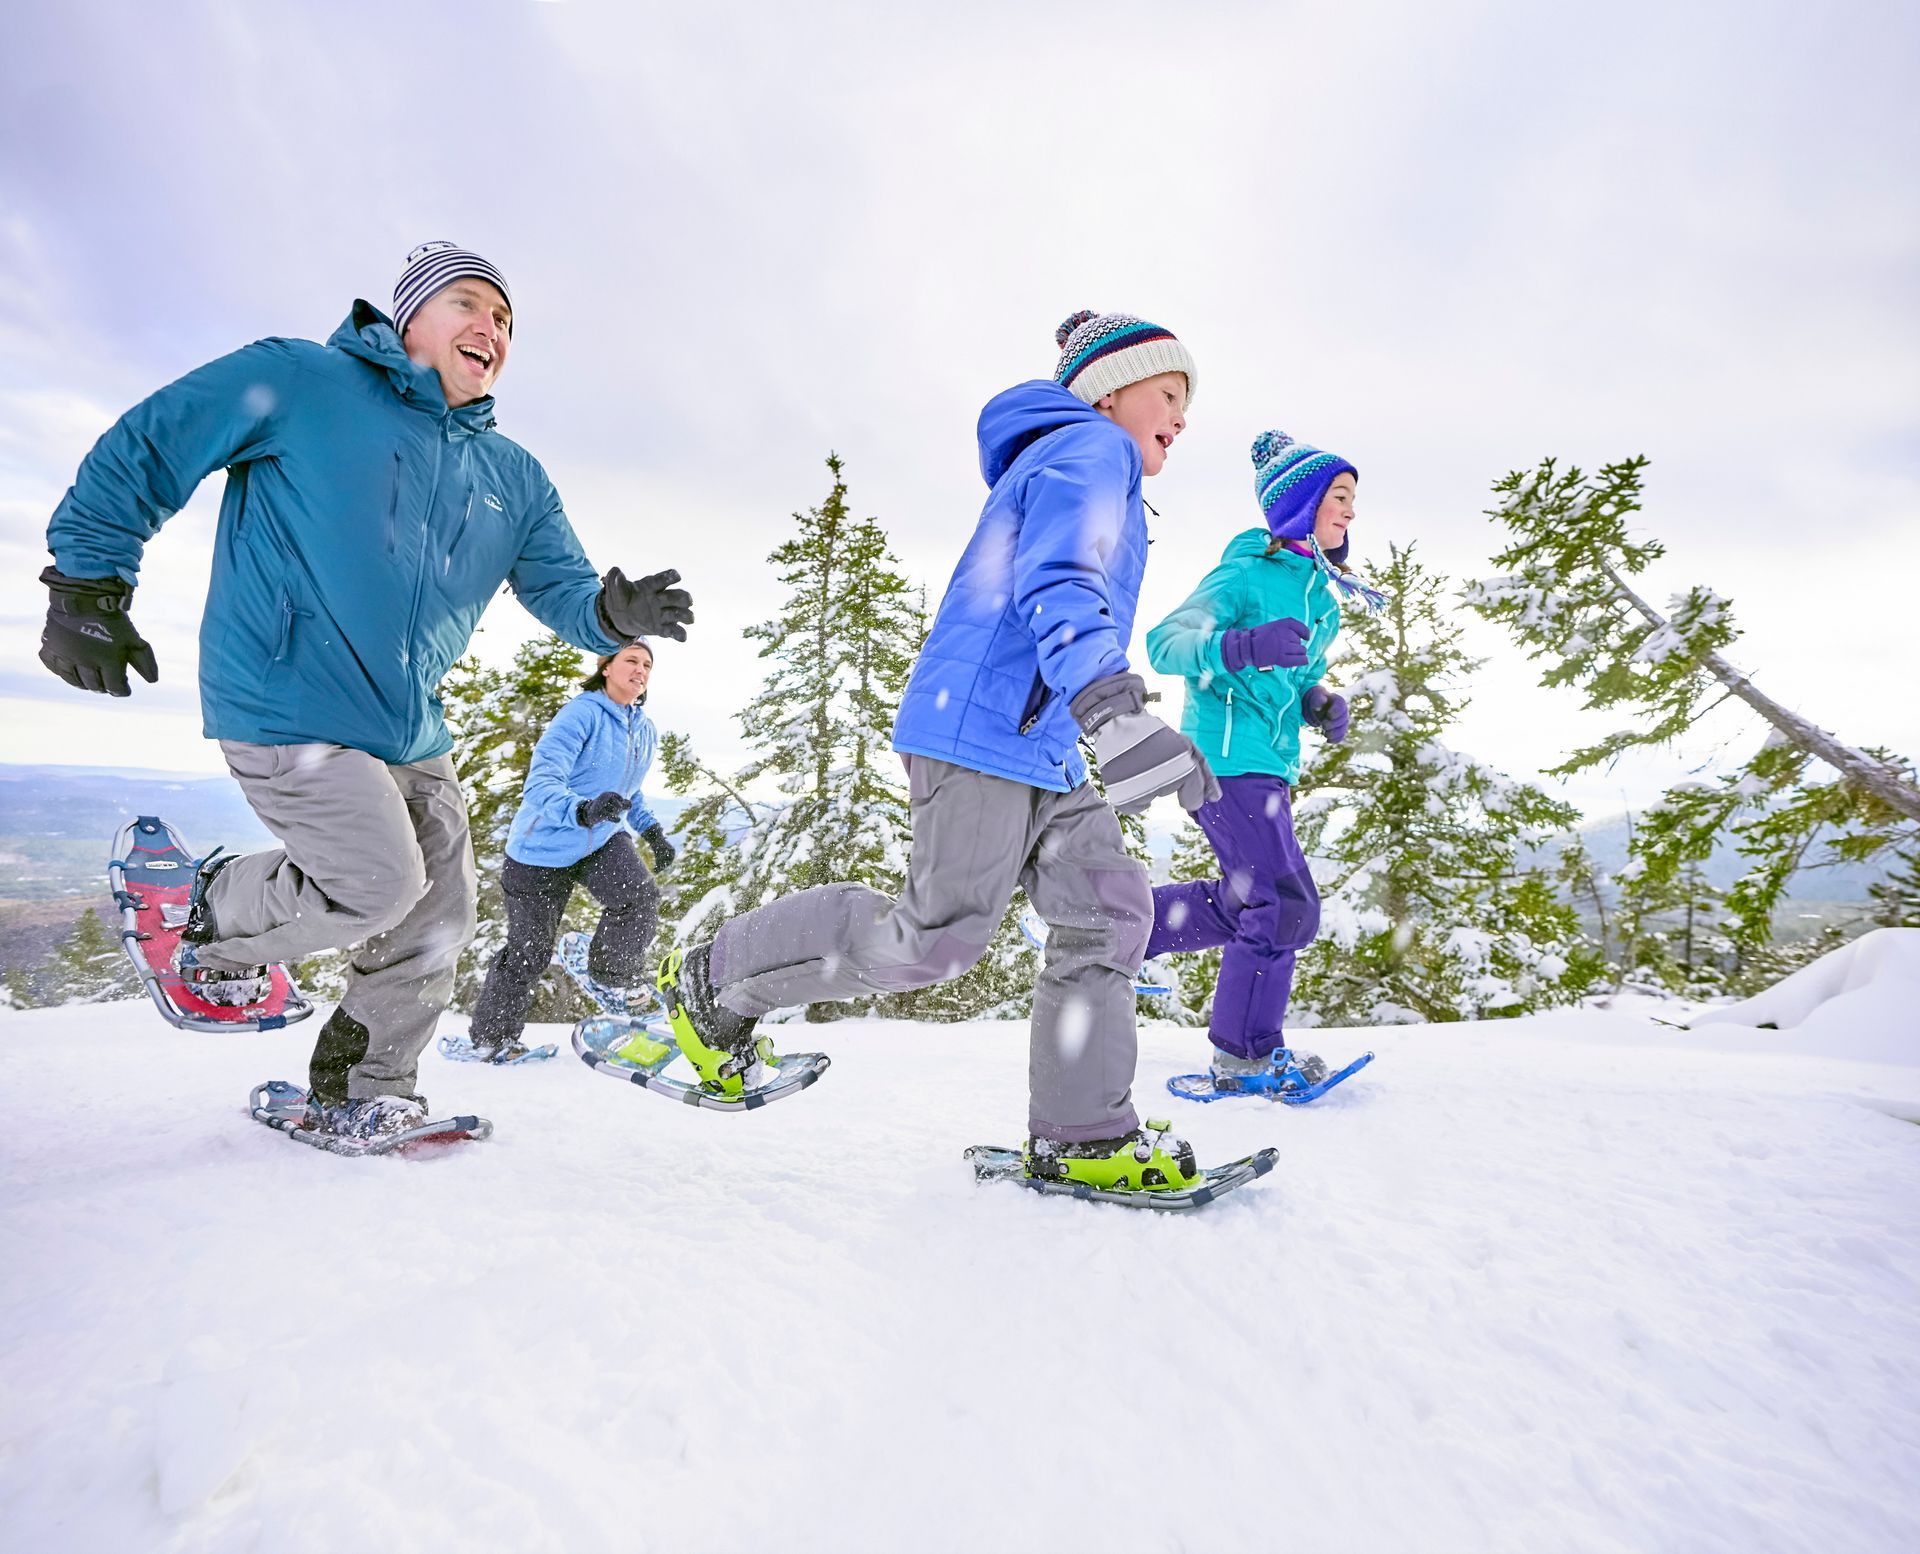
column 371, row 511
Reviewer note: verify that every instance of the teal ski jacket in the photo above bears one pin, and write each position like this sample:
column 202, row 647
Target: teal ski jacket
column 1247, row 724
column 364, row 529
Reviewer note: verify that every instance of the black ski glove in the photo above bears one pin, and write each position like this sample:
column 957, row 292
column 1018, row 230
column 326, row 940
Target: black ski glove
column 664, row 852
column 652, row 607
column 1139, row 757
column 88, row 640
column 609, row 806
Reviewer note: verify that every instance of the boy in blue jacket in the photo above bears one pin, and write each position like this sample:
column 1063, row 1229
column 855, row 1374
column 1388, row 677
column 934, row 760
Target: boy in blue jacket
column 371, row 512
column 1027, row 655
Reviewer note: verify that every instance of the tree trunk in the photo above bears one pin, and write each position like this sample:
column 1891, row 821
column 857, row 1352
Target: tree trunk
column 1875, row 777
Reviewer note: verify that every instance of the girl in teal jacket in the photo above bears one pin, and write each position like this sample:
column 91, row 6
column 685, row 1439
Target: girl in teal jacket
column 1252, row 642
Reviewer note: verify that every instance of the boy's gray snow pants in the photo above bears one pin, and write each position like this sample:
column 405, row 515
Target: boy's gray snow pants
column 372, row 856
column 974, row 838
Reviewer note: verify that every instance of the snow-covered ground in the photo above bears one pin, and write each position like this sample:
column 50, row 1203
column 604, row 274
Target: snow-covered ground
column 1580, row 1282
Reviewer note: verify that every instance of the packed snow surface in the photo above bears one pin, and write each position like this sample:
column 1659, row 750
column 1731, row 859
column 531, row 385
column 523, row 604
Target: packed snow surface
column 1564, row 1283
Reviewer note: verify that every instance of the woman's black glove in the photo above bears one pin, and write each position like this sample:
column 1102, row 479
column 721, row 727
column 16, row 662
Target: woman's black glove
column 609, row 806
column 664, row 852
column 88, row 640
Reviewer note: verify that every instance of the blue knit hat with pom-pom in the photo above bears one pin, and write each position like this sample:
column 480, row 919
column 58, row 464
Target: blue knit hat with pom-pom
column 1289, row 480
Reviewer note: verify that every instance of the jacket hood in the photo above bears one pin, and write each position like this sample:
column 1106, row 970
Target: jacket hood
column 367, row 333
column 1020, row 416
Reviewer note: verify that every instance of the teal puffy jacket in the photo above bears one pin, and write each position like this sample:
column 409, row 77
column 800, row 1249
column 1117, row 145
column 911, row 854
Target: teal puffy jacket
column 365, row 527
column 1247, row 723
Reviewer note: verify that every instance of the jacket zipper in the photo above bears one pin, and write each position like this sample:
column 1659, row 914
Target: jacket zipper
column 393, row 507
column 420, row 561
column 288, row 613
column 1226, row 743
column 1044, row 693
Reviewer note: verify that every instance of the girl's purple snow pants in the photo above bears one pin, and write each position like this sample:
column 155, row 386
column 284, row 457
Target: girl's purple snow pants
column 1264, row 909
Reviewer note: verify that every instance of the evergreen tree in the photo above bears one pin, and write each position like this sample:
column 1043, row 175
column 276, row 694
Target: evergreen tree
column 497, row 717
column 87, row 966
column 16, row 991
column 1675, row 930
column 1569, row 598
column 1430, row 913
column 1896, row 899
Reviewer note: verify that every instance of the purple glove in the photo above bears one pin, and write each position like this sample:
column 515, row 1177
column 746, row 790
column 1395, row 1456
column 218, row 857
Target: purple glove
column 1326, row 711
column 1280, row 644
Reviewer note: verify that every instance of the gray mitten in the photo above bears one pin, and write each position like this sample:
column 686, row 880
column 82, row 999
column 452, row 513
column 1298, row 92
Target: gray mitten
column 1139, row 757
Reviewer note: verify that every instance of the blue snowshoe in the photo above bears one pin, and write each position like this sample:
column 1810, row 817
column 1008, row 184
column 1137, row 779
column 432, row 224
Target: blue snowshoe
column 502, row 1054
column 1284, row 1075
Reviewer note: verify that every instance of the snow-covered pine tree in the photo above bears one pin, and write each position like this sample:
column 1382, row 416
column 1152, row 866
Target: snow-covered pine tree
column 497, row 717
column 1567, row 597
column 1674, row 931
column 1896, row 899
column 1430, row 912
column 86, row 967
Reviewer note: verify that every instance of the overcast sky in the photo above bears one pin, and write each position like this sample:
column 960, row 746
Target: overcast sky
column 1442, row 240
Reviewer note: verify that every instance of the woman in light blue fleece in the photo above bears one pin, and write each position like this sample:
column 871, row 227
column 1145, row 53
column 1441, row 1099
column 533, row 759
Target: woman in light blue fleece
column 578, row 815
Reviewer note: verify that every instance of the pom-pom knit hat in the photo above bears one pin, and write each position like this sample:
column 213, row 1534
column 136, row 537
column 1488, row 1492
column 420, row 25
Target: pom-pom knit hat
column 432, row 267
column 1102, row 352
column 1289, row 480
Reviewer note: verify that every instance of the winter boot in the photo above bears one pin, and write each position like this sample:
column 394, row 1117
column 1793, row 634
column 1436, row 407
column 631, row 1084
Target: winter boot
column 507, row 1049
column 372, row 1117
column 717, row 1042
column 613, row 994
column 1273, row 1074
column 1145, row 1160
column 215, row 984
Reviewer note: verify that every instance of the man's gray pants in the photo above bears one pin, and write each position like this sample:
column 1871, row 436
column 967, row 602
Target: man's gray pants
column 974, row 838
column 372, row 856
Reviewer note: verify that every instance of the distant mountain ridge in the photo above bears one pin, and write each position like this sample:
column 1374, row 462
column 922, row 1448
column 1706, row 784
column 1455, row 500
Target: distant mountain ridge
column 58, row 823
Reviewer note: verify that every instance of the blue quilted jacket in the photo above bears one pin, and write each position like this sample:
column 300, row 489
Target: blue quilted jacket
column 1042, row 602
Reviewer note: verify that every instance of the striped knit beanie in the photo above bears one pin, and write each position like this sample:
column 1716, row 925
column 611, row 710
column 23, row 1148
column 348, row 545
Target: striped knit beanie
column 1289, row 480
column 1102, row 352
column 432, row 267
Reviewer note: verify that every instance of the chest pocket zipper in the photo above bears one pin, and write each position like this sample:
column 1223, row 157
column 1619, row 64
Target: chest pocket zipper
column 393, row 508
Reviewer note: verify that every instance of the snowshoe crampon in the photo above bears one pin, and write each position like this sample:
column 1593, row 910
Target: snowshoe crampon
column 639, row 1050
column 993, row 1163
column 1033, row 927
column 284, row 1107
column 460, row 1049
column 151, row 874
column 1284, row 1082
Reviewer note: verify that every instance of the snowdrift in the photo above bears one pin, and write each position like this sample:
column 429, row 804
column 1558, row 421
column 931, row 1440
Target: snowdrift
column 1547, row 1285
column 1862, row 1001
